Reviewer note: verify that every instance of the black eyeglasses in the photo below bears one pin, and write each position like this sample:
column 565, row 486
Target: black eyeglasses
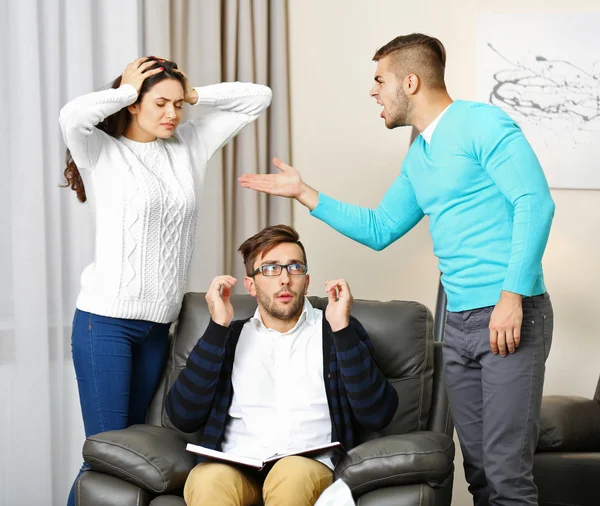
column 277, row 269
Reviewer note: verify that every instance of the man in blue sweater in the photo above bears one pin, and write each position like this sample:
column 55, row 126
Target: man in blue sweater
column 473, row 173
column 288, row 379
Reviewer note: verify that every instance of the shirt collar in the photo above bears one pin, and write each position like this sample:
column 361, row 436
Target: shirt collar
column 308, row 314
column 428, row 132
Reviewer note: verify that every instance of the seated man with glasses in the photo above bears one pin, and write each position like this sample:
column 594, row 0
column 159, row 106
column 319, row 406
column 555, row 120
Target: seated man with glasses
column 287, row 379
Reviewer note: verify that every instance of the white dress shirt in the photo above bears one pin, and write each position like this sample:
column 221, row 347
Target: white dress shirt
column 428, row 132
column 279, row 400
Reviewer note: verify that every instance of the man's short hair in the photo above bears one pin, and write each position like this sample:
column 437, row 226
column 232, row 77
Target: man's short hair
column 263, row 242
column 418, row 54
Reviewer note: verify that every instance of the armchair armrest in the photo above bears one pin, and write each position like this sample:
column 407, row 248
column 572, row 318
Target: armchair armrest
column 151, row 457
column 418, row 457
column 569, row 424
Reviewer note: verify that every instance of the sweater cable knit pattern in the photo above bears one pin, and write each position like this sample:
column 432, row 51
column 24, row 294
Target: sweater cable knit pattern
column 142, row 196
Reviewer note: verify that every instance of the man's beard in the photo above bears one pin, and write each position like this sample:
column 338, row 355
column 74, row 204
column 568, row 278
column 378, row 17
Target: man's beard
column 284, row 313
column 399, row 118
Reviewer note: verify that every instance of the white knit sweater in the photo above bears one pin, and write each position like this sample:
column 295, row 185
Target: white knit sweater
column 142, row 198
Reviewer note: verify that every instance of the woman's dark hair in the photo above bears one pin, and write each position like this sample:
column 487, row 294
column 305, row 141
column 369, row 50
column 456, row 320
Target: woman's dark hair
column 116, row 124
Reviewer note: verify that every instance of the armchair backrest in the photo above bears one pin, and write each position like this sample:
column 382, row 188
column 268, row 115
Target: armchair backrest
column 402, row 336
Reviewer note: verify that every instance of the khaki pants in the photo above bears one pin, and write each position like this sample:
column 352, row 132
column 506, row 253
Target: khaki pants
column 292, row 481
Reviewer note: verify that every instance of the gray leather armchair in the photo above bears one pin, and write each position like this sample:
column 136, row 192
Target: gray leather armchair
column 409, row 463
column 567, row 461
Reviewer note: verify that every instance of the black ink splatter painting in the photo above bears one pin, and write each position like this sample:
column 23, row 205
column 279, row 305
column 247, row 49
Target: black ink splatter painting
column 544, row 71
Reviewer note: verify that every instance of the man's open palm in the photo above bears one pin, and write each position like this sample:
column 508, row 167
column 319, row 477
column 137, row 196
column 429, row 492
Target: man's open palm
column 287, row 183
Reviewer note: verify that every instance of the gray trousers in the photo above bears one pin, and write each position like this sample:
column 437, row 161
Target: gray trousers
column 495, row 401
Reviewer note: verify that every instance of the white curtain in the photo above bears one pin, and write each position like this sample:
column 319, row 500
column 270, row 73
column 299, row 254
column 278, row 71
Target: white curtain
column 52, row 50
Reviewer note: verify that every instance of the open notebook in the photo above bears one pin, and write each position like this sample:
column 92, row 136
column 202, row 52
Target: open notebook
column 327, row 450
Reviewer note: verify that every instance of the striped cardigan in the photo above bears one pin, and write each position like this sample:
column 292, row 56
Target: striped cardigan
column 358, row 394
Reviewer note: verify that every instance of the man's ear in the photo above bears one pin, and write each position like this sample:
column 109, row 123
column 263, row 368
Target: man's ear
column 411, row 84
column 249, row 284
column 306, row 284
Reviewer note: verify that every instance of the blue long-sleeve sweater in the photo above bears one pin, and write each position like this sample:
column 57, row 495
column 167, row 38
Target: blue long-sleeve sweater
column 487, row 198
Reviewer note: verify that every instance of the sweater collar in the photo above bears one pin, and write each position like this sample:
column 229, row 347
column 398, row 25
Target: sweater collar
column 141, row 147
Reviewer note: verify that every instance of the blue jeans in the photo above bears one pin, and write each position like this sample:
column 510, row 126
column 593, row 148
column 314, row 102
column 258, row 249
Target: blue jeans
column 118, row 363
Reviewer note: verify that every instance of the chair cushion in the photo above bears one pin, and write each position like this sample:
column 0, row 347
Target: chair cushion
column 168, row 500
column 153, row 458
column 99, row 489
column 409, row 495
column 569, row 424
column 419, row 457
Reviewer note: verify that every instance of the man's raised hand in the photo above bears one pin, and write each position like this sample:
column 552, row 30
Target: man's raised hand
column 218, row 298
column 339, row 304
column 288, row 183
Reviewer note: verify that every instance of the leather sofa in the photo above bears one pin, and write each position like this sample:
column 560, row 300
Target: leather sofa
column 567, row 461
column 409, row 463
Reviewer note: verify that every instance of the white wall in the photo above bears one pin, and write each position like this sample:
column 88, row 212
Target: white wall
column 341, row 147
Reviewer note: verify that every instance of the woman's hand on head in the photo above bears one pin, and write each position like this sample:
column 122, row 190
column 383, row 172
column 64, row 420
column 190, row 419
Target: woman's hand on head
column 137, row 72
column 190, row 94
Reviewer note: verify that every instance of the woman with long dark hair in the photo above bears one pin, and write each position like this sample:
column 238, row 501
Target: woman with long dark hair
column 136, row 167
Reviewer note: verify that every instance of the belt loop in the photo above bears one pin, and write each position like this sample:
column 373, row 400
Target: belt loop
column 528, row 301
